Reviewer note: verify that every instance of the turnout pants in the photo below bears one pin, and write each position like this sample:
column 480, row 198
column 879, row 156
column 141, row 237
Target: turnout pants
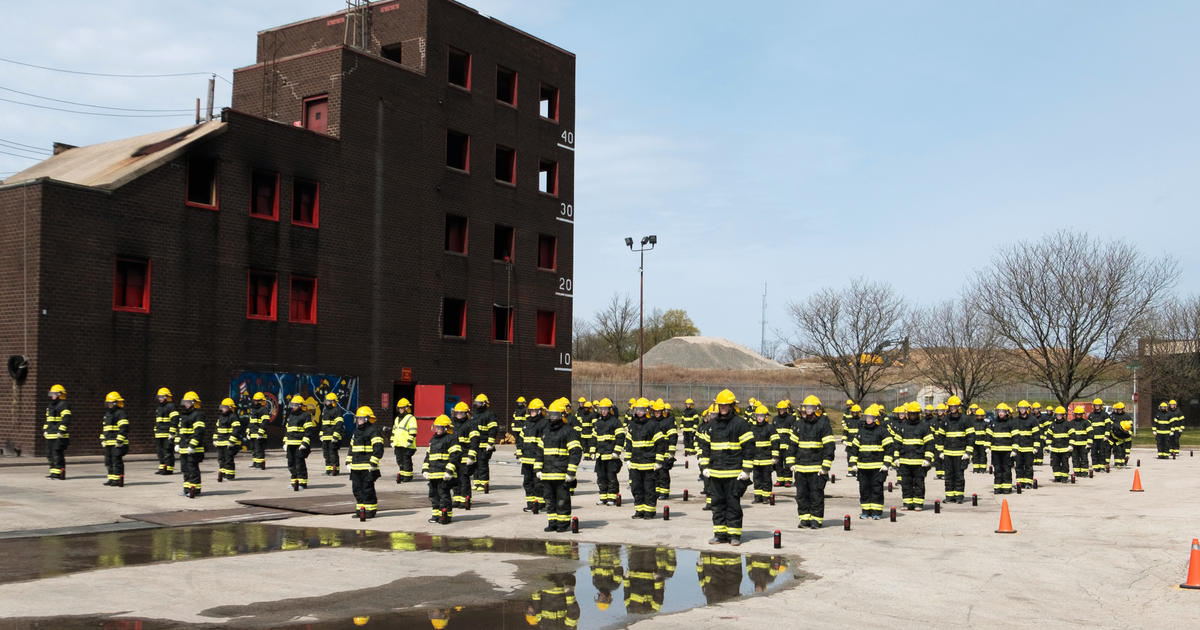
column 440, row 496
column 165, row 447
column 912, row 484
column 1080, row 458
column 689, row 442
column 191, row 470
column 956, row 467
column 870, row 491
column 258, row 451
column 462, row 490
column 1060, row 463
column 1121, row 454
column 762, row 483
column 643, row 484
column 225, row 464
column 979, row 460
column 810, row 496
column 533, row 488
column 56, row 455
column 483, row 471
column 726, row 506
column 404, row 457
column 1024, row 466
column 558, row 504
column 297, row 465
column 362, row 482
column 330, row 449
column 114, row 461
column 662, row 481
column 1099, row 454
column 606, row 479
column 1163, row 442
column 783, row 472
column 1002, row 471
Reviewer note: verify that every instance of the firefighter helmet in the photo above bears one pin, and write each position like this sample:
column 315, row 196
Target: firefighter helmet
column 725, row 397
column 163, row 391
column 227, row 402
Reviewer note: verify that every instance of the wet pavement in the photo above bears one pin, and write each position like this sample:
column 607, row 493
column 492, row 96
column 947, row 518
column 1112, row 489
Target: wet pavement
column 333, row 578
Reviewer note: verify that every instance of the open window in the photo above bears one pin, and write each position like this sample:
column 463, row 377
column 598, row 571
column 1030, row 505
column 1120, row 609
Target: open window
column 454, row 317
column 262, row 291
column 131, row 285
column 264, row 188
column 302, row 300
column 392, row 52
column 459, row 68
column 545, row 328
column 202, row 182
column 506, row 165
column 548, row 102
column 506, row 86
column 547, row 252
column 306, row 201
column 502, row 323
column 548, row 177
column 458, row 150
column 502, row 243
column 456, row 234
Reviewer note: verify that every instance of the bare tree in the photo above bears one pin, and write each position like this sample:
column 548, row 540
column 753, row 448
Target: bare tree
column 851, row 330
column 1170, row 351
column 1072, row 305
column 617, row 324
column 960, row 349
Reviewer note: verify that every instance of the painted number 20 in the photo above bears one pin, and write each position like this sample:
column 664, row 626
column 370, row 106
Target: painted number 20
column 565, row 284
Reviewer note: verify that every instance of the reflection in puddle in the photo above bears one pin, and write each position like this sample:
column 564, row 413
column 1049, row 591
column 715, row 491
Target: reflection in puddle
column 585, row 585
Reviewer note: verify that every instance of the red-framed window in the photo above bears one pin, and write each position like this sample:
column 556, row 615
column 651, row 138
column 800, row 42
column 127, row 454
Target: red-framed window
column 306, row 202
column 264, row 195
column 548, row 102
column 548, row 177
column 262, row 291
column 506, row 85
column 546, row 328
column 456, row 234
column 302, row 300
column 202, row 179
column 506, row 165
column 502, row 243
column 502, row 324
column 458, row 68
column 547, row 254
column 454, row 317
column 131, row 285
column 458, row 150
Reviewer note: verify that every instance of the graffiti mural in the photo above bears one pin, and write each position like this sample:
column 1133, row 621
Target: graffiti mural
column 279, row 386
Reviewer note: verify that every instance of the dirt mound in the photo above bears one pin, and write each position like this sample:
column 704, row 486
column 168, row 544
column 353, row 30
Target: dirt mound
column 707, row 353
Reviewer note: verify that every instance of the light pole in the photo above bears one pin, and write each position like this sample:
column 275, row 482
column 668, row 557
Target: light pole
column 651, row 240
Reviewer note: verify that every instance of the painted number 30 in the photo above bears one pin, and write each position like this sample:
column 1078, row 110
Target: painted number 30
column 567, row 210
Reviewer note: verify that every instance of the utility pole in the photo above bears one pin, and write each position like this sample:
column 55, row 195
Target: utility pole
column 650, row 240
column 762, row 341
column 212, row 87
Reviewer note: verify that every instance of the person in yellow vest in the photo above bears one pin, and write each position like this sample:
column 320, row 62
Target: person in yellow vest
column 189, row 442
column 256, row 432
column 331, row 433
column 114, row 437
column 404, row 440
column 227, row 438
column 165, row 417
column 366, row 451
column 57, row 431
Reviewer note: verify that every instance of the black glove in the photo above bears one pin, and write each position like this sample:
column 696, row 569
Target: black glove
column 375, row 474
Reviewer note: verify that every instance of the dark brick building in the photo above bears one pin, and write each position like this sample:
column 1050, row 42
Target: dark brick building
column 385, row 210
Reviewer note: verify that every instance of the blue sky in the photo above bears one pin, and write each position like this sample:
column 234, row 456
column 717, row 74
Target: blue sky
column 797, row 144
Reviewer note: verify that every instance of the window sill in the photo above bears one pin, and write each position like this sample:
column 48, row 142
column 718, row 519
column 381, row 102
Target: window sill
column 500, row 342
column 130, row 309
column 512, row 106
column 551, row 270
column 265, row 217
column 549, row 120
column 454, row 338
column 261, row 318
column 311, row 226
column 503, row 261
column 465, row 89
column 455, row 169
column 506, row 184
column 202, row 206
column 552, row 195
column 453, row 253
column 301, row 321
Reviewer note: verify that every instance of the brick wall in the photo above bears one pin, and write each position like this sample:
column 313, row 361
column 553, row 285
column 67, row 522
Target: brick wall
column 21, row 404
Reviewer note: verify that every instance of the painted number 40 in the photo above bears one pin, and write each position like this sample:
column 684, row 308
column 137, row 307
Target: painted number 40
column 568, row 138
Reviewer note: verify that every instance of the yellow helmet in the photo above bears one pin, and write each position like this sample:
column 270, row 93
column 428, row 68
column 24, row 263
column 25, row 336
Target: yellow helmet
column 813, row 401
column 687, row 401
column 848, row 402
column 1078, row 409
column 1162, row 405
column 632, row 401
column 461, row 406
column 297, row 400
column 163, row 391
column 1003, row 407
column 1023, row 403
column 760, row 410
column 601, row 605
column 667, row 405
column 362, row 620
column 331, row 396
column 1127, row 425
column 113, row 397
column 783, row 404
column 1169, row 402
column 1097, row 401
column 641, row 402
column 942, row 407
column 1060, row 409
column 481, row 398
column 657, row 405
column 227, row 402
column 929, row 407
column 558, row 406
column 438, row 624
column 1119, row 405
column 520, row 399
column 191, row 397
column 980, row 412
column 913, row 407
column 604, row 402
column 725, row 397
column 259, row 396
column 531, row 619
column 953, row 400
column 442, row 421
column 973, row 406
column 1036, row 405
column 536, row 403
column 872, row 411
column 898, row 409
column 365, row 412
column 58, row 389
column 855, row 409
column 582, row 400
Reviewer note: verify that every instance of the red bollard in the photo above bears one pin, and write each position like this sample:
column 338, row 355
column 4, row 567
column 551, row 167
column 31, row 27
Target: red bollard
column 295, row 486
column 618, row 501
column 487, row 488
column 974, row 500
column 685, row 494
column 537, row 505
column 220, row 476
column 362, row 514
column 445, row 517
column 832, row 478
column 771, row 499
column 846, row 523
column 467, row 503
column 574, row 524
column 1107, row 469
column 666, row 512
column 1072, row 477
column 778, row 539
column 1018, row 488
column 937, row 506
column 1035, row 483
column 889, row 486
column 1091, row 474
column 685, row 464
column 893, row 515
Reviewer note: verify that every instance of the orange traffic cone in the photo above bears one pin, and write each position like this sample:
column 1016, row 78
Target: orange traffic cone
column 1005, row 521
column 1193, row 578
column 1137, row 481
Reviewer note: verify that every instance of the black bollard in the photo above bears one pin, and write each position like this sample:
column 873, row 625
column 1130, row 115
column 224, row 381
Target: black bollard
column 1035, row 483
column 889, row 486
column 1139, row 463
column 467, row 504
column 666, row 512
column 846, row 523
column 893, row 515
column 618, row 502
column 685, row 463
column 220, row 476
column 487, row 488
column 832, row 478
column 937, row 507
column 295, row 486
column 685, row 494
column 974, row 500
column 1072, row 477
column 1018, row 488
column 772, row 498
column 1091, row 474
column 574, row 524
column 778, row 539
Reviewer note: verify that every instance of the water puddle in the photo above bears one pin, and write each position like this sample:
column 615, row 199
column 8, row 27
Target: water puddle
column 236, row 575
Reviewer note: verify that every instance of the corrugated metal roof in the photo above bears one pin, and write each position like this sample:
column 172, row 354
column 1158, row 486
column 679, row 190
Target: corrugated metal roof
column 110, row 165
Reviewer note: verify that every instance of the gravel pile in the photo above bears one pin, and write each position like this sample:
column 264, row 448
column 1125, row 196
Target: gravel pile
column 707, row 353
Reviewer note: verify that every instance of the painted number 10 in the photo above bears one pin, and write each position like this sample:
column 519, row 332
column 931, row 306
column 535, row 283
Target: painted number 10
column 564, row 359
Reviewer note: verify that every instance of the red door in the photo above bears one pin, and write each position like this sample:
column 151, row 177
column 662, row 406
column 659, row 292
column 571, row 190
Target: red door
column 316, row 112
column 428, row 403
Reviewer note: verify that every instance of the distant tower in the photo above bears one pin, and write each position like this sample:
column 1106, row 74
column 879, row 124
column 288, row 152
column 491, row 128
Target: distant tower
column 762, row 339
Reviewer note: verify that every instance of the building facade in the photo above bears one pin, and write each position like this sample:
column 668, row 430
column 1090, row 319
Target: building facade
column 386, row 210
